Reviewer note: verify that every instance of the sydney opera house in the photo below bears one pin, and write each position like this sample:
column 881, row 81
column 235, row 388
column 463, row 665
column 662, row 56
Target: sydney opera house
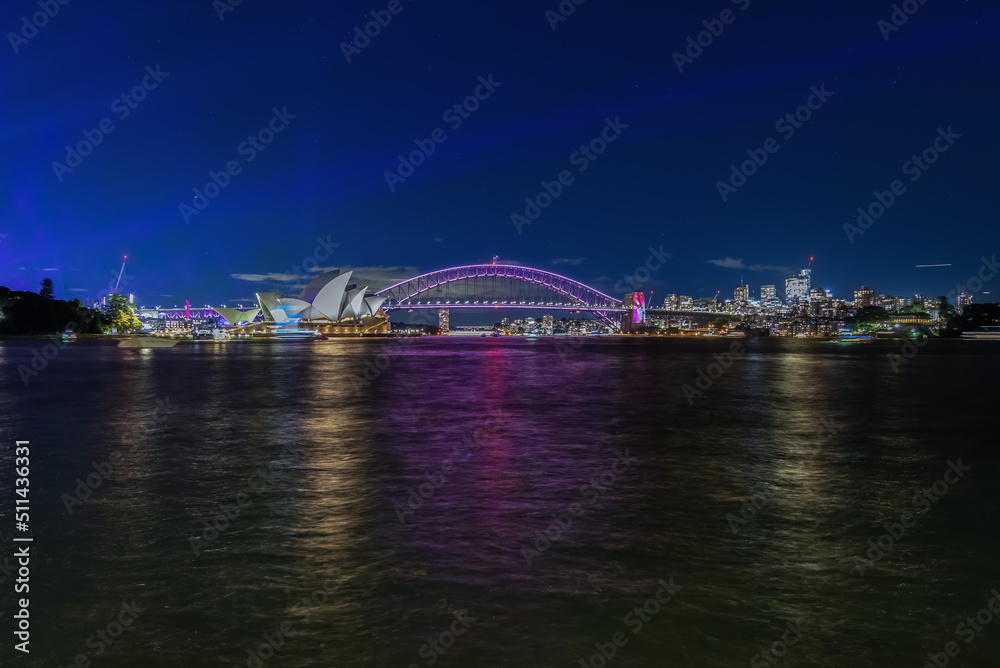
column 329, row 304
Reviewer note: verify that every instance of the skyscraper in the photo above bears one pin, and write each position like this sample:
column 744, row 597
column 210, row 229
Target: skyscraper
column 444, row 320
column 768, row 295
column 797, row 287
column 741, row 294
column 864, row 297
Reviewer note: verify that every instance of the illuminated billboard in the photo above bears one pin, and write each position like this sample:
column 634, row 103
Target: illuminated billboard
column 638, row 307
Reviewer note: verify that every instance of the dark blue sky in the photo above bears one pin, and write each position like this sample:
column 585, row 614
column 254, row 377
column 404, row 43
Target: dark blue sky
column 324, row 173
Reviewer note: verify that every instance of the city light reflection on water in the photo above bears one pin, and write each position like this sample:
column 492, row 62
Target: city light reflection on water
column 430, row 490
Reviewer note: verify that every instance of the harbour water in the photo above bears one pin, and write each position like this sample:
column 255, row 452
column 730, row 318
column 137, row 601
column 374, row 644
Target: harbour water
column 506, row 502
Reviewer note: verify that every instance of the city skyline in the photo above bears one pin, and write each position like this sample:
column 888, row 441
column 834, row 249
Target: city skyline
column 383, row 278
column 188, row 182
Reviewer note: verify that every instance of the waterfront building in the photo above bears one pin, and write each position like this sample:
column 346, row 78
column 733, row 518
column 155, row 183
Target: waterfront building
column 444, row 320
column 328, row 304
column 864, row 297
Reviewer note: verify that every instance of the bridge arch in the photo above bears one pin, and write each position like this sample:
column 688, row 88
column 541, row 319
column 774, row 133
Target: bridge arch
column 573, row 295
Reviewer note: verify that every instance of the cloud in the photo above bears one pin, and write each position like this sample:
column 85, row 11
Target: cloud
column 737, row 263
column 438, row 240
column 377, row 277
column 50, row 269
column 769, row 267
column 77, row 289
column 729, row 263
column 575, row 261
column 260, row 278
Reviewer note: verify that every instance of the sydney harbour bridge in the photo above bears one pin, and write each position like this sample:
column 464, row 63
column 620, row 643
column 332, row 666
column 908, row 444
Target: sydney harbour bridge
column 499, row 286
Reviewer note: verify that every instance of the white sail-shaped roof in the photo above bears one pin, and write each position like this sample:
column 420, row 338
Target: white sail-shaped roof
column 354, row 303
column 330, row 296
column 373, row 304
column 311, row 291
column 235, row 316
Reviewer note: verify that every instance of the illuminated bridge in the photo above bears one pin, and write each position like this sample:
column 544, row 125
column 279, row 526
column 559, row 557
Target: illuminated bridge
column 500, row 286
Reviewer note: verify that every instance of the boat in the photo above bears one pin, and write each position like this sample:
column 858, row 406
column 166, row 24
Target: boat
column 288, row 334
column 982, row 336
column 147, row 342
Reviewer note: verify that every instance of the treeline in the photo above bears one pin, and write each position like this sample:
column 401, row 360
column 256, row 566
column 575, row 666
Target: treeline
column 31, row 313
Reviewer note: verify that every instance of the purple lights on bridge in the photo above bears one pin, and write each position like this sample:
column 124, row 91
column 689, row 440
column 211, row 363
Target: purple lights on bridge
column 499, row 286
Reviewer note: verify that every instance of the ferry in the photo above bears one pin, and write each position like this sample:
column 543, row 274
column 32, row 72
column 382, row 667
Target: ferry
column 982, row 336
column 147, row 341
column 288, row 334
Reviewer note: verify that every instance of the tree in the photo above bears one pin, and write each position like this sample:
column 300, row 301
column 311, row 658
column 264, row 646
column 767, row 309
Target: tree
column 870, row 319
column 48, row 290
column 125, row 321
column 119, row 302
column 949, row 325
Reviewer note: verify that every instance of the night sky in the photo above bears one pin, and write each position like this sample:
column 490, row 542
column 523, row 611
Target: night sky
column 324, row 174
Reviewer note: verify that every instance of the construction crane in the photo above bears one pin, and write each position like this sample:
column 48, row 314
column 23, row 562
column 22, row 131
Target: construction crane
column 124, row 257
